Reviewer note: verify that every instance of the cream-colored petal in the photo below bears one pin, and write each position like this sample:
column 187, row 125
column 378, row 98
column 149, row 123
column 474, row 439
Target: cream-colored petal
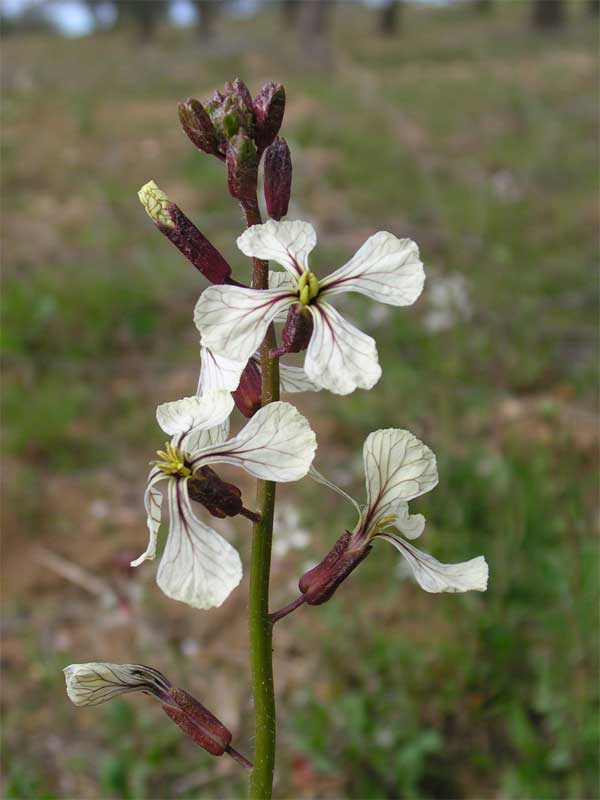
column 433, row 576
column 218, row 373
column 288, row 243
column 198, row 567
column 385, row 268
column 96, row 682
column 200, row 411
column 340, row 357
column 295, row 379
column 233, row 321
column 153, row 504
column 277, row 444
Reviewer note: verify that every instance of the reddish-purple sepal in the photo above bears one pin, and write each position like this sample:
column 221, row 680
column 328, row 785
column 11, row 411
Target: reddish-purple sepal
column 296, row 332
column 278, row 178
column 248, row 394
column 197, row 722
column 199, row 128
column 242, row 168
column 269, row 107
column 319, row 583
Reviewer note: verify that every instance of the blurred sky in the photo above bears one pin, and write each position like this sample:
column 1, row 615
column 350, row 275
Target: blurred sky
column 74, row 18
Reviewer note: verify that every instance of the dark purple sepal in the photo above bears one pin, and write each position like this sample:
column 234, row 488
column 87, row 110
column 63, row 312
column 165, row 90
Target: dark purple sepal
column 242, row 168
column 197, row 722
column 231, row 112
column 269, row 108
column 220, row 498
column 195, row 246
column 296, row 332
column 319, row 583
column 247, row 396
column 278, row 178
column 199, row 128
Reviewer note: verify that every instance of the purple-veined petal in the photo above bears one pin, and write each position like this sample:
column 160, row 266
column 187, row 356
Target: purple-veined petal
column 295, row 379
column 218, row 373
column 287, row 243
column 199, row 438
column 94, row 683
column 398, row 468
column 153, row 504
column 433, row 576
column 200, row 411
column 410, row 525
column 280, row 280
column 385, row 268
column 198, row 567
column 233, row 321
column 277, row 444
column 339, row 357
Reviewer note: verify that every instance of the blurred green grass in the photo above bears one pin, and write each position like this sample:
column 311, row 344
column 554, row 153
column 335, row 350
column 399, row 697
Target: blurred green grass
column 470, row 134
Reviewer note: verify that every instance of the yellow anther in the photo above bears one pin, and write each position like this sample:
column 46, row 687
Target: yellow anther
column 383, row 523
column 156, row 203
column 308, row 287
column 172, row 462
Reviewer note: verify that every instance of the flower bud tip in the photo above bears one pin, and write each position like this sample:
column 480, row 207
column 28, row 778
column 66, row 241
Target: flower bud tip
column 156, row 203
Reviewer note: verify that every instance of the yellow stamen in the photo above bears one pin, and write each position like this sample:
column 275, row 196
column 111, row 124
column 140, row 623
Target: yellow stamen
column 308, row 287
column 172, row 462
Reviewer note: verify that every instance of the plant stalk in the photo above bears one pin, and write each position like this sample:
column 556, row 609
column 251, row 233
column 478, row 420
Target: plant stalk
column 261, row 627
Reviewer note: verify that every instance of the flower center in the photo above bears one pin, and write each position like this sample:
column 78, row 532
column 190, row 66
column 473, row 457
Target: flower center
column 172, row 462
column 308, row 288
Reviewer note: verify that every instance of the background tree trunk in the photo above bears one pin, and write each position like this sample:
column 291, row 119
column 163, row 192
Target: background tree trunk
column 548, row 14
column 389, row 17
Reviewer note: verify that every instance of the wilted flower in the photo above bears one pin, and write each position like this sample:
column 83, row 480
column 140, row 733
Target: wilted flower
column 199, row 567
column 95, row 683
column 234, row 320
column 398, row 468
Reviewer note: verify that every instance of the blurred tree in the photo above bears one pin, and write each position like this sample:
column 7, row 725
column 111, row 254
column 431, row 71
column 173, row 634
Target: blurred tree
column 208, row 11
column 483, row 6
column 594, row 7
column 315, row 30
column 144, row 14
column 389, row 18
column 548, row 14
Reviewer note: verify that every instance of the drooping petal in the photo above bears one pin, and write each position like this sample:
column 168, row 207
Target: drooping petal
column 218, row 373
column 200, row 411
column 339, row 356
column 287, row 243
column 96, row 682
column 199, row 567
column 277, row 444
column 199, row 438
column 410, row 525
column 153, row 504
column 295, row 379
column 433, row 576
column 385, row 268
column 233, row 320
column 398, row 467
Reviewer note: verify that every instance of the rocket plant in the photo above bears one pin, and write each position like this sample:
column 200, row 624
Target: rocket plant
column 240, row 353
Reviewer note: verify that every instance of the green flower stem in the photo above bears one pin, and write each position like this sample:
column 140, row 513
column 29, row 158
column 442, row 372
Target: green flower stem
column 261, row 627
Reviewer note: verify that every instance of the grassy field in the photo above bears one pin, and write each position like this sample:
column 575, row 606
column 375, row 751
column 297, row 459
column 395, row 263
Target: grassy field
column 466, row 132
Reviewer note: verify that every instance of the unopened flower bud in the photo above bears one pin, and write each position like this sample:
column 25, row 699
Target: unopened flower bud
column 231, row 113
column 197, row 722
column 248, row 394
column 242, row 167
column 199, row 128
column 278, row 178
column 269, row 107
column 319, row 583
column 297, row 330
column 173, row 223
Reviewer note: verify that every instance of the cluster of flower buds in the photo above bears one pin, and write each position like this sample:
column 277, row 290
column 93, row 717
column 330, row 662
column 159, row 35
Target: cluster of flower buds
column 98, row 682
column 238, row 130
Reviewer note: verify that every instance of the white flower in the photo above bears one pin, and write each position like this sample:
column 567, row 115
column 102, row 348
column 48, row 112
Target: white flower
column 199, row 567
column 220, row 373
column 399, row 468
column 233, row 320
column 95, row 683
